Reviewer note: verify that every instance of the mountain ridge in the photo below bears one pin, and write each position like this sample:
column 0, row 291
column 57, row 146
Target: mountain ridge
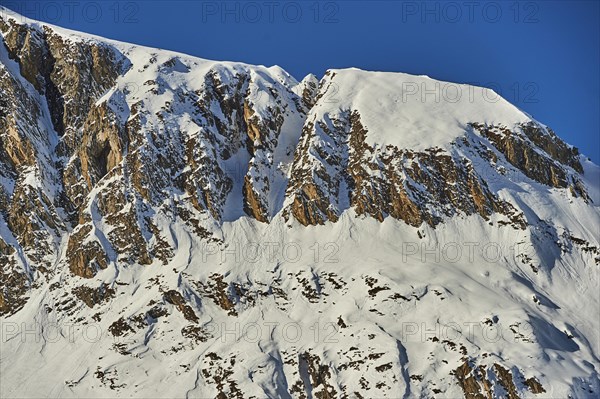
column 174, row 203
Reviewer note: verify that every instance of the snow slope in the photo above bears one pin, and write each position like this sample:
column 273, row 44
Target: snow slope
column 410, row 111
column 213, row 287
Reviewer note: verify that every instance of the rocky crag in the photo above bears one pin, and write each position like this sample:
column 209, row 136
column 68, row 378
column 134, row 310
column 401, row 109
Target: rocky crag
column 131, row 177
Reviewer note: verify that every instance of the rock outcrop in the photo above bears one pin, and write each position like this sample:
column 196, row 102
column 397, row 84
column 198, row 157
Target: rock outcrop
column 416, row 187
column 168, row 200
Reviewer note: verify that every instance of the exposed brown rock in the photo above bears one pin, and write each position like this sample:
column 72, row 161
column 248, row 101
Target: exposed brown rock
column 534, row 385
column 219, row 371
column 553, row 145
column 161, row 248
column 14, row 283
column 319, row 376
column 85, row 258
column 506, row 380
column 195, row 333
column 102, row 144
column 476, row 383
column 310, row 207
column 469, row 382
column 252, row 204
column 47, row 62
column 120, row 328
column 524, row 155
column 217, row 290
column 94, row 296
column 198, row 178
column 175, row 298
column 310, row 91
column 263, row 135
column 126, row 235
column 33, row 220
column 385, row 182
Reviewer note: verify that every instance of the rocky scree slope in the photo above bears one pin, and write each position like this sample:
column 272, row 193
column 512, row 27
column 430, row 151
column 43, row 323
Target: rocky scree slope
column 122, row 168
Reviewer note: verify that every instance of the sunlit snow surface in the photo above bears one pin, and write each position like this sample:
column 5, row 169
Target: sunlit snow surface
column 445, row 282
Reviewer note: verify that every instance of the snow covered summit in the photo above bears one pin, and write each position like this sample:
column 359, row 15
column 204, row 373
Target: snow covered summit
column 179, row 227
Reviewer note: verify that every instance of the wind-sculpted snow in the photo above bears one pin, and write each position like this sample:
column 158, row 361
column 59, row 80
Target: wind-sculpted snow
column 178, row 227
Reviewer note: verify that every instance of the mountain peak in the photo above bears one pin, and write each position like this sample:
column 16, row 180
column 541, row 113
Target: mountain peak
column 368, row 234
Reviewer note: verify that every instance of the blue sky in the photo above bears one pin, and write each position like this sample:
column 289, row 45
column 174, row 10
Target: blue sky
column 543, row 56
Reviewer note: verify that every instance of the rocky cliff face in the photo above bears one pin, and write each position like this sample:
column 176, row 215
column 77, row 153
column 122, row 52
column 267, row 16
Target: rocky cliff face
column 134, row 184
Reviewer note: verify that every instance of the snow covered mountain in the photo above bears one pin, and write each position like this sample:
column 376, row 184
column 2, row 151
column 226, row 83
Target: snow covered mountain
column 178, row 227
